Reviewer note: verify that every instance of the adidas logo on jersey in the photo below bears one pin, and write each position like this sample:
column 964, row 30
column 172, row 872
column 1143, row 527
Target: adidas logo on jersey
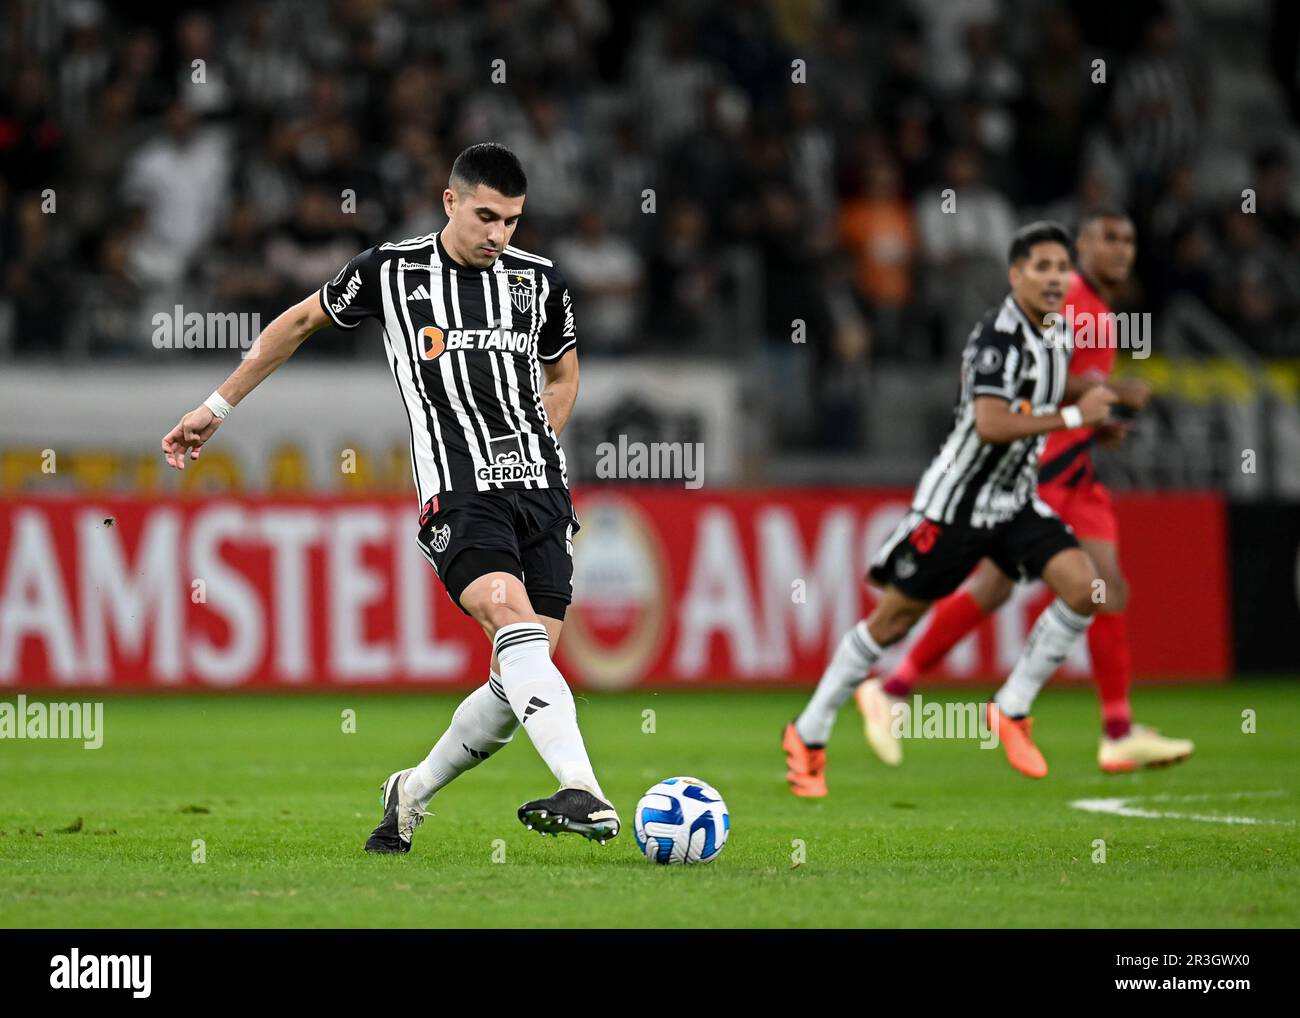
column 420, row 293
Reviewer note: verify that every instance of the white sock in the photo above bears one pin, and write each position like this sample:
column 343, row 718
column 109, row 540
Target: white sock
column 482, row 724
column 541, row 700
column 1054, row 635
column 848, row 666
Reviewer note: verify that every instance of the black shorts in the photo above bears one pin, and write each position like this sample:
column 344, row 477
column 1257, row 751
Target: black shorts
column 526, row 532
column 928, row 560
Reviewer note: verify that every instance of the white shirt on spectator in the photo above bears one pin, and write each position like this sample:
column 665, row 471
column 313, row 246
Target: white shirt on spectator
column 592, row 265
column 183, row 190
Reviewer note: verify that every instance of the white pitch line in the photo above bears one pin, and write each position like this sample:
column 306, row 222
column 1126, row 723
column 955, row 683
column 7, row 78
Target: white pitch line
column 1120, row 807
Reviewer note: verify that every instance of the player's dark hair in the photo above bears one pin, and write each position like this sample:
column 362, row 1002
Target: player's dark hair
column 1100, row 212
column 1042, row 232
column 491, row 164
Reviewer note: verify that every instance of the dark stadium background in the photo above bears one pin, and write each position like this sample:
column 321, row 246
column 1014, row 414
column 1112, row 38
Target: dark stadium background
column 745, row 197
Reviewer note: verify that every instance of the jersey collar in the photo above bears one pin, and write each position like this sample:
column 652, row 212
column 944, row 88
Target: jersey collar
column 1022, row 318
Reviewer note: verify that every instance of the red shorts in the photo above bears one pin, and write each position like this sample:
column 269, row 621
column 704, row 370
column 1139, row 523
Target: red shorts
column 1086, row 507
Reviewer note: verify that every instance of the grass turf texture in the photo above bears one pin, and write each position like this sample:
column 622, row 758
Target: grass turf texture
column 283, row 801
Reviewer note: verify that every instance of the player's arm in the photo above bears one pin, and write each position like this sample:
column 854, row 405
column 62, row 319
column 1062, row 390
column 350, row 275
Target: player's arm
column 352, row 295
column 1133, row 396
column 994, row 368
column 1133, row 393
column 274, row 346
column 561, row 390
column 997, row 424
column 557, row 349
column 1077, row 385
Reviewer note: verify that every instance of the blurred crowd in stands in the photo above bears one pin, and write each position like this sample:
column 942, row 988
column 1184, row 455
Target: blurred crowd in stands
column 684, row 158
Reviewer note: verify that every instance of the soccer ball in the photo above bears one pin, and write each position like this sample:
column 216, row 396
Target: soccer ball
column 681, row 820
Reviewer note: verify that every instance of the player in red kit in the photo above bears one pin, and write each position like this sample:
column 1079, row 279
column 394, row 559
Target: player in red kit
column 1068, row 483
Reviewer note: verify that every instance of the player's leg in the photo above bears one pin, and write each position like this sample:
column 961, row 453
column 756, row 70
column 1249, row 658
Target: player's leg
column 1036, row 544
column 806, row 736
column 1107, row 639
column 919, row 563
column 1124, row 746
column 541, row 700
column 545, row 523
column 949, row 620
column 484, row 721
column 482, row 724
column 1086, row 507
column 1070, row 575
column 573, row 808
column 893, row 617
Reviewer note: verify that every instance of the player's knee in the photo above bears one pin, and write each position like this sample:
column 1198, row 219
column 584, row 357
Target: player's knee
column 1114, row 595
column 497, row 601
column 1082, row 593
column 990, row 588
column 890, row 622
column 1075, row 580
column 1079, row 586
column 889, row 630
column 493, row 617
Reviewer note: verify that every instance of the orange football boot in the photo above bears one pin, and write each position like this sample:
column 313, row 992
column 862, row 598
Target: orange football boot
column 807, row 773
column 1016, row 736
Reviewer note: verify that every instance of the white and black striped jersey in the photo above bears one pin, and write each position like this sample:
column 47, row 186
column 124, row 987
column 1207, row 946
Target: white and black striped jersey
column 465, row 347
column 976, row 483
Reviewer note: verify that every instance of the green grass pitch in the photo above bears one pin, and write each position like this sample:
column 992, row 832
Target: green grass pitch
column 283, row 799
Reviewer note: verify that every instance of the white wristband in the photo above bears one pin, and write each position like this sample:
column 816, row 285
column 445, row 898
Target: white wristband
column 219, row 407
column 1072, row 416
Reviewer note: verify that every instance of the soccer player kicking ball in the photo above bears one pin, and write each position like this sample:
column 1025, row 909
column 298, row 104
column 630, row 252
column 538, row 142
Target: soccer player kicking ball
column 1067, row 481
column 470, row 327
column 978, row 499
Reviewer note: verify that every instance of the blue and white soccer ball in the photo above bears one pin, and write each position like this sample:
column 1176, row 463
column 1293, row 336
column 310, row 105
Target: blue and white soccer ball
column 681, row 820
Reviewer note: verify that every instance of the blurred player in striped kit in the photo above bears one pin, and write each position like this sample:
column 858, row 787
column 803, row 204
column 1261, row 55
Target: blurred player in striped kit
column 1068, row 483
column 978, row 500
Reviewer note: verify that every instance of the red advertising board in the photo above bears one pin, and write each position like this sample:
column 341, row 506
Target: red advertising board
column 672, row 588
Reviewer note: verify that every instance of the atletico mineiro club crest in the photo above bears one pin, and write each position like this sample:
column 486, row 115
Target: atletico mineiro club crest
column 521, row 289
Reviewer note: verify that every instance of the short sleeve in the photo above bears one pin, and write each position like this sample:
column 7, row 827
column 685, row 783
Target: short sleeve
column 995, row 364
column 558, row 334
column 354, row 293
